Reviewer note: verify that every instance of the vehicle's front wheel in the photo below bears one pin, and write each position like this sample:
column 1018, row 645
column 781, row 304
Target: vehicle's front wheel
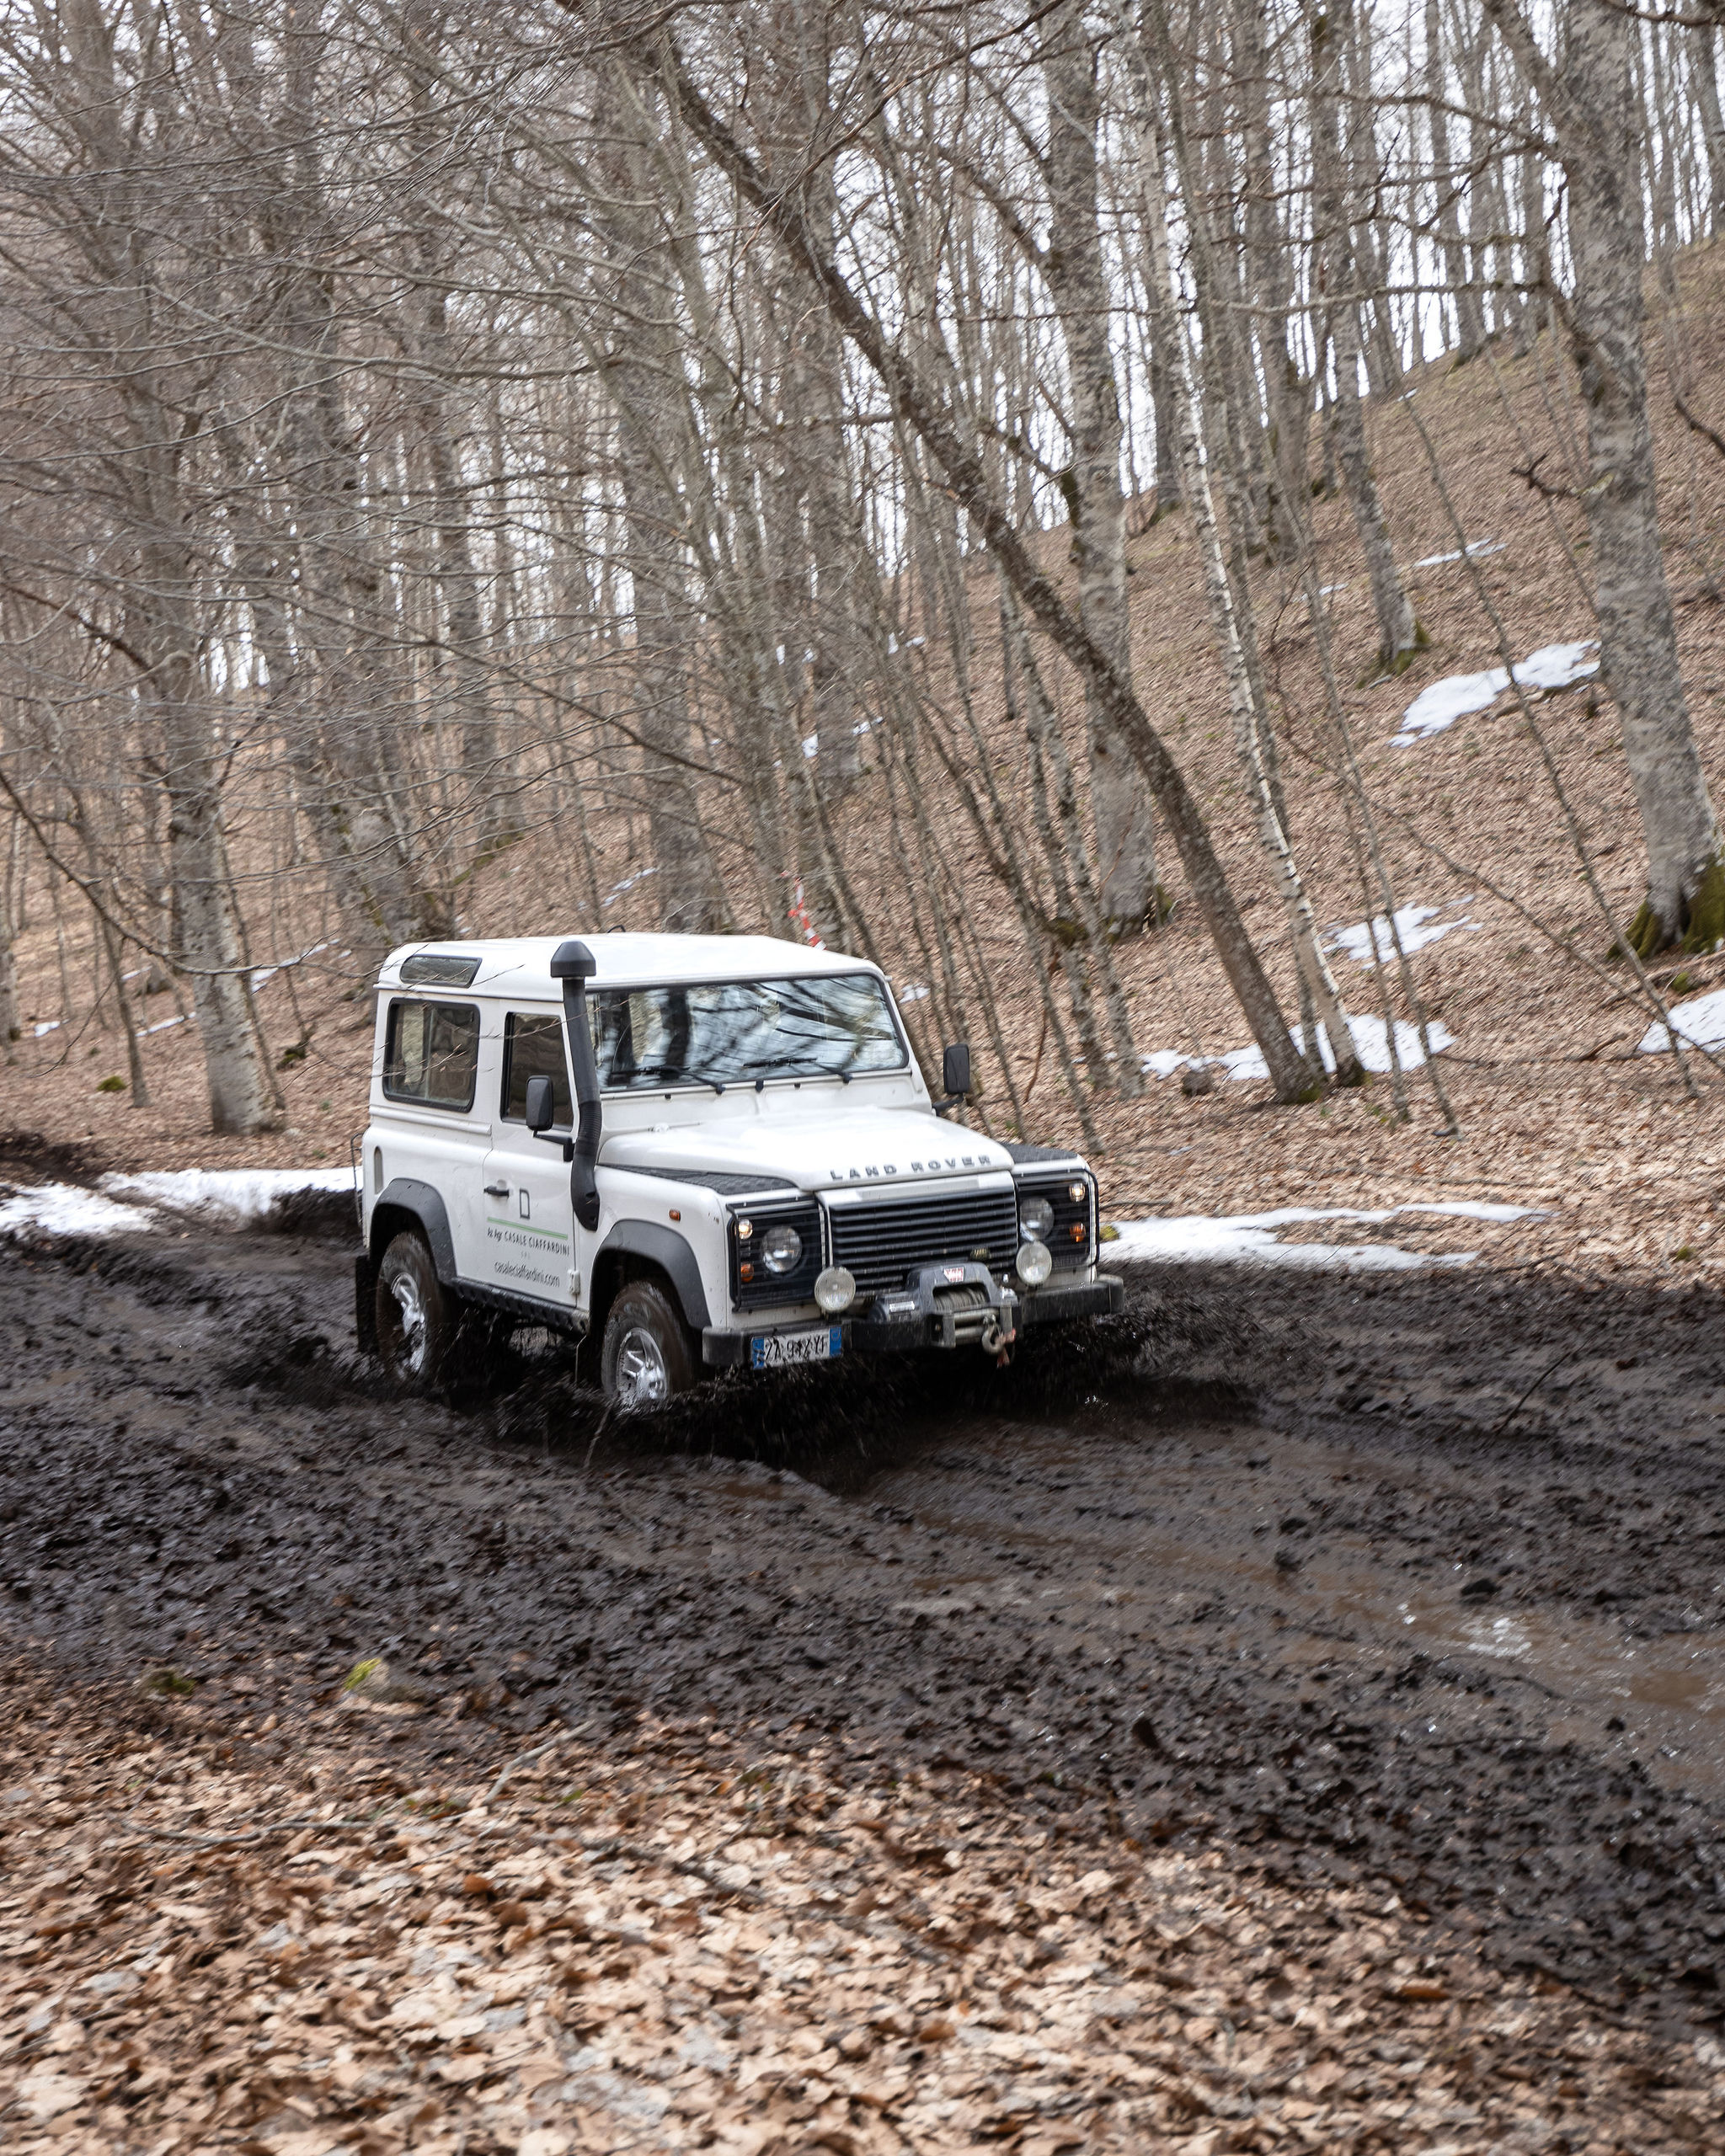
column 416, row 1321
column 649, row 1353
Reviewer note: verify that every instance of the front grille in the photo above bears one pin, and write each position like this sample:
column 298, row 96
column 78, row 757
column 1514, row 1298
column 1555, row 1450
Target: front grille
column 880, row 1243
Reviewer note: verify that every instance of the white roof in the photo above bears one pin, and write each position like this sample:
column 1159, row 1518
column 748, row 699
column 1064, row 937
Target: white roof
column 520, row 966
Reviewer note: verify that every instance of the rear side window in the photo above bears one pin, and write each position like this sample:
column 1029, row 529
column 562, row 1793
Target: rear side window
column 431, row 1054
column 532, row 1047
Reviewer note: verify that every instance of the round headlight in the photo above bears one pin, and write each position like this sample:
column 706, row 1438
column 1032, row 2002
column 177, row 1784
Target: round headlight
column 780, row 1249
column 1078, row 1192
column 835, row 1290
column 1036, row 1219
column 1035, row 1263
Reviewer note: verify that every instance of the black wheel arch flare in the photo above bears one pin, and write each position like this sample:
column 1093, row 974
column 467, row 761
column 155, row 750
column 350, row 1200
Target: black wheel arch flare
column 407, row 1203
column 655, row 1246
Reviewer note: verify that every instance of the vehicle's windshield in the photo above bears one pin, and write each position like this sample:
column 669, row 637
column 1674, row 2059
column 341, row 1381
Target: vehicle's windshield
column 731, row 1032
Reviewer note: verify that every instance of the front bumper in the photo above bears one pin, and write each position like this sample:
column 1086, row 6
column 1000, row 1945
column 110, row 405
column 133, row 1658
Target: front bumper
column 1057, row 1300
column 943, row 1306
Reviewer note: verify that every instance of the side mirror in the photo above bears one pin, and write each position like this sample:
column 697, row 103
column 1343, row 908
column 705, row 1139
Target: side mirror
column 541, row 1105
column 955, row 1069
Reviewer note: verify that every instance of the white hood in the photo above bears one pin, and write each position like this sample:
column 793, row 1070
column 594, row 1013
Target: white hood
column 851, row 1147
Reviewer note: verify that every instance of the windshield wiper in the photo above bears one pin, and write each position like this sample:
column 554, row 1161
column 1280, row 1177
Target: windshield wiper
column 676, row 1073
column 791, row 1062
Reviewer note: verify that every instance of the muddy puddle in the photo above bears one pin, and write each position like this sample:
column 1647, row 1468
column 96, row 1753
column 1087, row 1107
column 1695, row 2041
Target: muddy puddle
column 1138, row 1522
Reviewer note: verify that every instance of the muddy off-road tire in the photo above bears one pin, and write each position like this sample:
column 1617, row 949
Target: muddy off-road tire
column 649, row 1353
column 416, row 1322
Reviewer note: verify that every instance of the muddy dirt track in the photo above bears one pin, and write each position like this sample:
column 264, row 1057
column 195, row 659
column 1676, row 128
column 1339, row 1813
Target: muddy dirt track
column 1417, row 1578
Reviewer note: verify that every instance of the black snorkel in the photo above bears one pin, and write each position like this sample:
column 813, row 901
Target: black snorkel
column 574, row 965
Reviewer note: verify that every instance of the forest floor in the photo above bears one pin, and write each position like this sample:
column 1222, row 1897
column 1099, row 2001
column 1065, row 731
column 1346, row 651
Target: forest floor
column 1286, row 1718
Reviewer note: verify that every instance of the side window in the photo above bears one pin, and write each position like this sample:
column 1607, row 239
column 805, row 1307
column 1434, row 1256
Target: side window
column 431, row 1054
column 532, row 1047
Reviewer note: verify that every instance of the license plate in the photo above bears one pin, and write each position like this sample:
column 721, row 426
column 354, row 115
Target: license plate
column 771, row 1351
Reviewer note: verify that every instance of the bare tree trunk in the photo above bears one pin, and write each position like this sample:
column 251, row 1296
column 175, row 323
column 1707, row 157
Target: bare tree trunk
column 1589, row 95
column 1057, row 820
column 1469, row 316
column 326, row 588
column 491, row 804
column 1536, row 251
column 243, row 1094
column 651, row 423
column 1637, row 629
column 11, row 1025
column 1079, row 284
column 1399, row 635
column 244, row 1098
column 1226, row 590
column 1370, row 250
column 1704, row 52
column 1288, row 392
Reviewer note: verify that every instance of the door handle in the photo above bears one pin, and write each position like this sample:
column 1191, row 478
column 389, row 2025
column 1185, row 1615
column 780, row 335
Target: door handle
column 497, row 1190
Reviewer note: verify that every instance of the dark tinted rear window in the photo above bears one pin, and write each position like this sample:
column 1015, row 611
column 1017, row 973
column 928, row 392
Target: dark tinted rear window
column 431, row 1054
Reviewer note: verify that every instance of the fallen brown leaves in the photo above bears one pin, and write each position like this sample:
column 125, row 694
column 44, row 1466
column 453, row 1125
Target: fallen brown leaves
column 686, row 1940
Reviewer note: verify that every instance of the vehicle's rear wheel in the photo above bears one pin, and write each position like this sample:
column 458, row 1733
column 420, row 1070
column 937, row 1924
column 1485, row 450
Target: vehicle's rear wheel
column 649, row 1353
column 415, row 1321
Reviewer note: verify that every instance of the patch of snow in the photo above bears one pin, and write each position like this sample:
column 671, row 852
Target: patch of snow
column 1371, row 1045
column 157, row 1198
column 1557, row 666
column 913, row 991
column 162, row 1025
column 1701, row 1020
column 1434, row 709
column 1196, row 1240
column 1474, row 1208
column 1250, row 1238
column 811, row 745
column 47, row 1026
column 1437, row 708
column 60, row 1209
column 231, row 1195
column 1475, row 548
column 1416, row 925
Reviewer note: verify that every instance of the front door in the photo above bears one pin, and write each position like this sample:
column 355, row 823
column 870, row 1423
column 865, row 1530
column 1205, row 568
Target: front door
column 529, row 1246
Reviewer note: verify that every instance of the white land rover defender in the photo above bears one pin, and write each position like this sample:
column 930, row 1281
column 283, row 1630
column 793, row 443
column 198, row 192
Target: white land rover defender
column 701, row 1151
